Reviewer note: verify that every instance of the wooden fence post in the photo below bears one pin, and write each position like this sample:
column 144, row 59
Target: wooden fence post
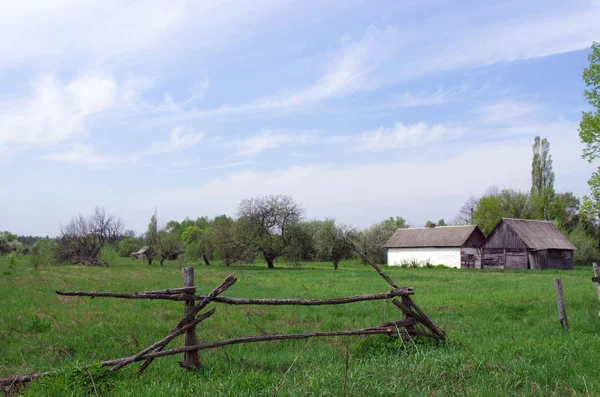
column 190, row 359
column 596, row 274
column 562, row 313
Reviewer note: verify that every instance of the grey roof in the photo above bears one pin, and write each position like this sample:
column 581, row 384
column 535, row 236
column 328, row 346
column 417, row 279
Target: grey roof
column 439, row 236
column 539, row 234
column 142, row 250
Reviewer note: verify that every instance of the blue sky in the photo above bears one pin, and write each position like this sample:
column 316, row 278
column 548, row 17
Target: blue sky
column 360, row 110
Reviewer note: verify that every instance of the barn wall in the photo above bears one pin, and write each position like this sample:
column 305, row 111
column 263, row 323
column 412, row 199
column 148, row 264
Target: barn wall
column 503, row 237
column 469, row 257
column 475, row 240
column 560, row 259
column 436, row 256
column 510, row 259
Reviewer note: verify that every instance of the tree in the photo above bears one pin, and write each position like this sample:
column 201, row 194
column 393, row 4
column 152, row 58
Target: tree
column 564, row 210
column 169, row 246
column 332, row 241
column 589, row 127
column 269, row 224
column 226, row 240
column 128, row 245
column 201, row 240
column 441, row 222
column 8, row 243
column 399, row 222
column 506, row 203
column 465, row 213
column 152, row 239
column 542, row 178
column 429, row 224
column 371, row 241
column 589, row 132
column 82, row 239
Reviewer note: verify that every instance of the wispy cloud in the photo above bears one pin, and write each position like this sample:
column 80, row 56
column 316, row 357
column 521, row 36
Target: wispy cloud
column 404, row 136
column 180, row 138
column 410, row 99
column 270, row 140
column 56, row 112
column 83, row 154
column 506, row 112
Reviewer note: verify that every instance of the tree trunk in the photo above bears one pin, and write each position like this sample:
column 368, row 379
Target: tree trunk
column 149, row 260
column 205, row 259
column 161, row 261
column 335, row 265
column 227, row 260
column 269, row 260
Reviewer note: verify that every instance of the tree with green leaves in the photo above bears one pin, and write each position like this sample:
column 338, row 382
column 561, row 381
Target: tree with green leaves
column 542, row 178
column 152, row 239
column 201, row 241
column 8, row 242
column 589, row 132
column 270, row 224
column 332, row 241
column 498, row 204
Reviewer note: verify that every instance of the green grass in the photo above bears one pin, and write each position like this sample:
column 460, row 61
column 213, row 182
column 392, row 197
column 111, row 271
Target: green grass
column 504, row 337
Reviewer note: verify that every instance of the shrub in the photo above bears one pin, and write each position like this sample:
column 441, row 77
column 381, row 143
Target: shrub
column 587, row 246
column 12, row 260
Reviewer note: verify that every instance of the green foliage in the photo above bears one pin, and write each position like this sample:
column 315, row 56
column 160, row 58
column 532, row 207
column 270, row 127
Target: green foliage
column 129, row 245
column 589, row 127
column 587, row 246
column 8, row 243
column 415, row 263
column 109, row 255
column 506, row 203
column 542, row 178
column 441, row 222
column 42, row 253
column 12, row 260
column 398, row 223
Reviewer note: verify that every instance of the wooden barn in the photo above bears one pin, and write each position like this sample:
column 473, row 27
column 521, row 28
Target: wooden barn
column 526, row 244
column 452, row 246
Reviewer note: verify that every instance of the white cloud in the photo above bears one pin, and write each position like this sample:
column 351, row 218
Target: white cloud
column 507, row 112
column 405, row 136
column 57, row 112
column 82, row 154
column 270, row 140
column 409, row 99
column 180, row 138
column 352, row 68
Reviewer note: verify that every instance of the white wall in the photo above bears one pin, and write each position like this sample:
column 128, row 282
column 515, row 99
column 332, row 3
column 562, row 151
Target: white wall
column 436, row 256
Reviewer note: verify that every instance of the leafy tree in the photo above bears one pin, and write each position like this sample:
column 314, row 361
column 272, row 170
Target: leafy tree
column 226, row 239
column 399, row 222
column 496, row 205
column 269, row 224
column 429, row 224
column 441, row 222
column 371, row 241
column 589, row 132
column 542, row 178
column 169, row 246
column 564, row 210
column 589, row 127
column 201, row 240
column 152, row 239
column 8, row 243
column 587, row 250
column 332, row 242
column 129, row 245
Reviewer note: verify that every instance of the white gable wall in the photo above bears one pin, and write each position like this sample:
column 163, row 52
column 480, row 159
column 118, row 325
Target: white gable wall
column 447, row 256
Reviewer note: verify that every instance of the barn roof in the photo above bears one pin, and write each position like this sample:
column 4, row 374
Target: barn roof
column 142, row 250
column 439, row 236
column 538, row 234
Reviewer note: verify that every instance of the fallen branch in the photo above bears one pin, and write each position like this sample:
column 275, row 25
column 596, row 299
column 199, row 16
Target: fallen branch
column 170, row 291
column 403, row 291
column 20, row 379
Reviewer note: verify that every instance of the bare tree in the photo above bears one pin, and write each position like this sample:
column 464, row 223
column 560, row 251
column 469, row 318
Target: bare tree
column 465, row 214
column 82, row 239
column 270, row 222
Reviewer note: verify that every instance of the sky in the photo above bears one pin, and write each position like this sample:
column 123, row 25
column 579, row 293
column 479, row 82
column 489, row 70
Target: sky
column 359, row 110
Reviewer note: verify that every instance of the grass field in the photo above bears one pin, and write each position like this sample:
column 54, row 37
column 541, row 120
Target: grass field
column 504, row 337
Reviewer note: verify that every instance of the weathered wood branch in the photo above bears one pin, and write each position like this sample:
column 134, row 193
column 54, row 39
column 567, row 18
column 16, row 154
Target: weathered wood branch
column 165, row 341
column 170, row 291
column 388, row 330
column 189, row 317
column 367, row 260
column 410, row 309
column 20, row 379
column 403, row 291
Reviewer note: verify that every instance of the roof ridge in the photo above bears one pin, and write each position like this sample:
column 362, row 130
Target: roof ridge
column 433, row 228
column 528, row 220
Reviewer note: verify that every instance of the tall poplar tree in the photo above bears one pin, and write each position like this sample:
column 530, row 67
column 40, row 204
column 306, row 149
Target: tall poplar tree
column 542, row 177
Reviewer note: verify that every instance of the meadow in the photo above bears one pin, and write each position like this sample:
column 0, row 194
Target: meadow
column 504, row 337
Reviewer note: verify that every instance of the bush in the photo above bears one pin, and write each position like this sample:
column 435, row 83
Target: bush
column 109, row 255
column 587, row 246
column 12, row 260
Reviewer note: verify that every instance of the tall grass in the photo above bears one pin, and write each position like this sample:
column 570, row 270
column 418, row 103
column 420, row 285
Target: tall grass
column 504, row 337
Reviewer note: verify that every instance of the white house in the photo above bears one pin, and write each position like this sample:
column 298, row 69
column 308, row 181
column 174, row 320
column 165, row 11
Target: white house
column 452, row 246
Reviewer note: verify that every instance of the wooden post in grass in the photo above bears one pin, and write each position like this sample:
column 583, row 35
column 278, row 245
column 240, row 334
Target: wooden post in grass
column 596, row 275
column 562, row 313
column 191, row 358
